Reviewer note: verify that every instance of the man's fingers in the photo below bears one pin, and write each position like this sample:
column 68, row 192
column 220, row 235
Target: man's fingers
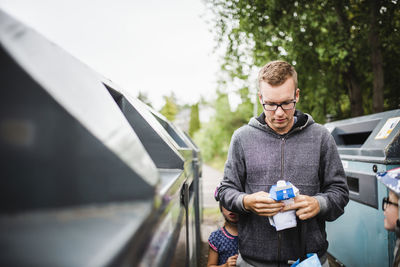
column 306, row 207
column 270, row 210
column 307, row 212
column 304, row 210
column 267, row 210
column 307, row 215
column 276, row 205
column 265, row 200
column 268, row 214
column 294, row 206
column 261, row 204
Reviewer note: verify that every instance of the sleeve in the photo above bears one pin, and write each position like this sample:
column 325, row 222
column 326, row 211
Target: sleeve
column 213, row 241
column 231, row 190
column 334, row 194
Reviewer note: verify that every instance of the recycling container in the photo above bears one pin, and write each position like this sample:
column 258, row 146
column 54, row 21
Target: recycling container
column 90, row 176
column 176, row 158
column 366, row 145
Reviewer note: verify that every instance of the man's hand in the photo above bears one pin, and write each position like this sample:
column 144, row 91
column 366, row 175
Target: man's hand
column 306, row 206
column 261, row 204
column 231, row 262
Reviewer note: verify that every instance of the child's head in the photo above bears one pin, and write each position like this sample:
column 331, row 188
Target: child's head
column 391, row 211
column 390, row 204
column 230, row 217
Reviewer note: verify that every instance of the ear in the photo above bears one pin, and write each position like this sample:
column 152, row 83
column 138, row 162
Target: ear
column 259, row 97
column 297, row 95
column 397, row 228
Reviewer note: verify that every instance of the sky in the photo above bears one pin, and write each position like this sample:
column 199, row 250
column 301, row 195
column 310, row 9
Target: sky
column 153, row 46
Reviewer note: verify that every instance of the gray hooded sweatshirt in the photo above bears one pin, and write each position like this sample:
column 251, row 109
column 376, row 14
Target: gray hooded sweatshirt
column 307, row 157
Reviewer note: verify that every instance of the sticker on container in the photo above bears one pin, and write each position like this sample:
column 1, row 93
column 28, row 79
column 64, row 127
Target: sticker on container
column 387, row 128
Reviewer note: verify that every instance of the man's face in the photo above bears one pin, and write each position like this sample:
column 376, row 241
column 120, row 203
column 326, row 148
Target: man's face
column 280, row 120
column 391, row 213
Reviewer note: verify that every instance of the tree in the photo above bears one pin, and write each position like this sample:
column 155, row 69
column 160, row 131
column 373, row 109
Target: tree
column 194, row 124
column 214, row 137
column 339, row 49
column 170, row 108
column 144, row 98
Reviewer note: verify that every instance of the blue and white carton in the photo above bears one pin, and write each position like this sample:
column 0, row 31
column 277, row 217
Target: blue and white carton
column 285, row 192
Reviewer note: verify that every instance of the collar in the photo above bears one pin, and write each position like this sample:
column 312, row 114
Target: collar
column 300, row 119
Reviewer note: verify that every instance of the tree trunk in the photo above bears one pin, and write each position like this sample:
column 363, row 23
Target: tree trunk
column 355, row 95
column 350, row 76
column 376, row 60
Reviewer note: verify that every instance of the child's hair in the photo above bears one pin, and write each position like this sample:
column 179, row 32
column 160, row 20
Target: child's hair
column 217, row 197
column 216, row 193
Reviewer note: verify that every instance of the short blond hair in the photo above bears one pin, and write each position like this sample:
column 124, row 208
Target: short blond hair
column 276, row 73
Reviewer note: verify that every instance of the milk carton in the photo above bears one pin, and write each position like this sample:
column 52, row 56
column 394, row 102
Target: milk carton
column 285, row 192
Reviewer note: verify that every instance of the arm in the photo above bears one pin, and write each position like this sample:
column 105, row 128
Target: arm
column 213, row 259
column 334, row 194
column 232, row 190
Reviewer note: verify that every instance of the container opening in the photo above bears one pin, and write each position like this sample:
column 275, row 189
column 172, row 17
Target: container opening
column 353, row 184
column 355, row 134
column 162, row 154
column 171, row 131
column 355, row 138
column 116, row 95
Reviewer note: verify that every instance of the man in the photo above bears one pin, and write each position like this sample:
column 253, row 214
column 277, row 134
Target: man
column 390, row 207
column 282, row 144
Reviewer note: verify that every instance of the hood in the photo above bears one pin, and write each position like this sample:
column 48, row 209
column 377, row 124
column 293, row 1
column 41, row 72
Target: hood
column 303, row 120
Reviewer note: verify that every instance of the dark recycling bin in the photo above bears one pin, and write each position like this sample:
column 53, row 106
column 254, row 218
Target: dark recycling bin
column 366, row 145
column 89, row 176
column 195, row 195
column 177, row 160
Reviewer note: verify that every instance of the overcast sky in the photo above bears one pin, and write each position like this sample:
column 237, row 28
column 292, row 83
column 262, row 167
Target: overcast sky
column 153, row 46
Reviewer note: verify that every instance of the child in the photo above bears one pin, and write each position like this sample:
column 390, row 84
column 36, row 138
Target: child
column 390, row 206
column 223, row 250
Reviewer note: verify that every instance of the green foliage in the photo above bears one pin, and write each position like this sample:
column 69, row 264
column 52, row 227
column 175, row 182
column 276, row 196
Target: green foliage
column 144, row 98
column 170, row 108
column 214, row 137
column 194, row 124
column 329, row 42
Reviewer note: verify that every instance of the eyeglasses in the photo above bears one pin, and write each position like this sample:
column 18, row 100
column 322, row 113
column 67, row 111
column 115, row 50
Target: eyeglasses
column 285, row 106
column 386, row 202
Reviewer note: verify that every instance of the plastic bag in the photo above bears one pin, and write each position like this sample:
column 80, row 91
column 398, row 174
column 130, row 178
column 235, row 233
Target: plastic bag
column 311, row 261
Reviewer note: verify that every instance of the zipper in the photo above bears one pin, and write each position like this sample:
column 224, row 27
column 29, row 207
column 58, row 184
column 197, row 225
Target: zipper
column 279, row 249
column 282, row 156
column 279, row 233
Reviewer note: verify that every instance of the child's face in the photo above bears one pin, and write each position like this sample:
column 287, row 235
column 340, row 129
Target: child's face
column 391, row 213
column 230, row 216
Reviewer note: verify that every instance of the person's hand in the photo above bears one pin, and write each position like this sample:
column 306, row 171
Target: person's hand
column 231, row 262
column 306, row 206
column 261, row 204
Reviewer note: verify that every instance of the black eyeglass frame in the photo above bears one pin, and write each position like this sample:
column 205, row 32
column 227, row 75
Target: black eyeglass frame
column 280, row 105
column 386, row 202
